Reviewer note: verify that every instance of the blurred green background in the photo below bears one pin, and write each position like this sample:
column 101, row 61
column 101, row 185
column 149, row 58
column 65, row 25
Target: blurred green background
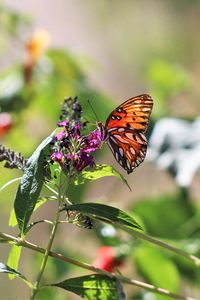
column 107, row 52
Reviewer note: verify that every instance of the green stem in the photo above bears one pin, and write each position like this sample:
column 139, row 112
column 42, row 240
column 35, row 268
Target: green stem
column 36, row 287
column 171, row 248
column 86, row 266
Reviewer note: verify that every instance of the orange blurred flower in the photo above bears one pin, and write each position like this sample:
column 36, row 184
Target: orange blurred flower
column 35, row 47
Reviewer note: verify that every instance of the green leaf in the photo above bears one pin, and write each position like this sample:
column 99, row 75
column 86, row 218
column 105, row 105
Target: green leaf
column 6, row 269
column 13, row 259
column 107, row 213
column 30, row 186
column 98, row 172
column 157, row 268
column 94, row 287
column 152, row 210
column 13, row 220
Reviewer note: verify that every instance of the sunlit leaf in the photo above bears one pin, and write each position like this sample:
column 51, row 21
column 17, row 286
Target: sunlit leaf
column 94, row 287
column 13, row 259
column 98, row 172
column 107, row 213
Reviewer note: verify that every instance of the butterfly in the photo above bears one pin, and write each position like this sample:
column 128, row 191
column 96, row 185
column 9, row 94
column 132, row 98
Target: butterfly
column 124, row 131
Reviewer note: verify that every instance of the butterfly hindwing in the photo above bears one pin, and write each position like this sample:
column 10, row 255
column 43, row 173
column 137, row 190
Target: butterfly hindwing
column 125, row 128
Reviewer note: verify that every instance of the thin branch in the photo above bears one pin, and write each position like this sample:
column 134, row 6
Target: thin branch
column 36, row 287
column 171, row 248
column 86, row 266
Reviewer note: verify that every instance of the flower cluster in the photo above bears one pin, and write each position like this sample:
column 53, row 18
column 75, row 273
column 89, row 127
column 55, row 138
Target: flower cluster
column 71, row 149
column 13, row 159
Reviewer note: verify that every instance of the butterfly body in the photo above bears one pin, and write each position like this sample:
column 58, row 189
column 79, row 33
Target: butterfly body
column 124, row 131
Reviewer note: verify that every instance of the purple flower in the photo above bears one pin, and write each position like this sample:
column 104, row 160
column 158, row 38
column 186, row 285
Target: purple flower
column 98, row 135
column 92, row 142
column 77, row 128
column 64, row 123
column 60, row 135
column 71, row 149
column 84, row 161
column 68, row 156
column 57, row 156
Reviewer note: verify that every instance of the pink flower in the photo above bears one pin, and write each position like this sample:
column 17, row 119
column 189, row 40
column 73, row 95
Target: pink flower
column 57, row 156
column 60, row 135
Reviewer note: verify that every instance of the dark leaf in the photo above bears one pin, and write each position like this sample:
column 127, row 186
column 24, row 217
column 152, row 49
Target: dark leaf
column 30, row 185
column 108, row 213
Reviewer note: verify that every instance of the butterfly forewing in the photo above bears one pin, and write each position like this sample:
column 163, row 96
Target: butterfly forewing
column 125, row 128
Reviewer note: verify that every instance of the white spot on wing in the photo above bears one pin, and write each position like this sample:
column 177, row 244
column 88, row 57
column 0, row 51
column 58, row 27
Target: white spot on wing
column 129, row 135
column 132, row 150
column 117, row 156
column 121, row 129
column 121, row 151
column 112, row 129
column 144, row 109
column 121, row 139
column 143, row 136
column 138, row 139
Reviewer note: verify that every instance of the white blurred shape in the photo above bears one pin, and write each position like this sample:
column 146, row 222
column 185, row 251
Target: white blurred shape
column 175, row 144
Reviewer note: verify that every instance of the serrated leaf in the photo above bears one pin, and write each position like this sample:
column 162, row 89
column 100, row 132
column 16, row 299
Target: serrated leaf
column 98, row 172
column 108, row 213
column 93, row 287
column 13, row 259
column 30, row 186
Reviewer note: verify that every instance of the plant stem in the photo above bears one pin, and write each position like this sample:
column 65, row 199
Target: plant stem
column 86, row 266
column 36, row 287
column 171, row 248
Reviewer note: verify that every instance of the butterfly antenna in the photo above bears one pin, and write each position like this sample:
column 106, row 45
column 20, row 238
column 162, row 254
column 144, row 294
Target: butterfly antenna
column 93, row 110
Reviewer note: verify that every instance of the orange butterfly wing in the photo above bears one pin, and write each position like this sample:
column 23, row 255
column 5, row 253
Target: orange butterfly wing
column 125, row 128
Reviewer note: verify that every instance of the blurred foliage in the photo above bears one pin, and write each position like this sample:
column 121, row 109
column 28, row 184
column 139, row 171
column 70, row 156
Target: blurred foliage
column 175, row 219
column 167, row 80
column 165, row 208
column 11, row 24
column 35, row 106
column 155, row 267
